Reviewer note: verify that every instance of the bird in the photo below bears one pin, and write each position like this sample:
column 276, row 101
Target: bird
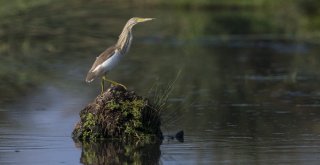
column 108, row 59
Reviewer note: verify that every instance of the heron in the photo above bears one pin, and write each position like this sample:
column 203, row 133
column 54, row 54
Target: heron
column 108, row 59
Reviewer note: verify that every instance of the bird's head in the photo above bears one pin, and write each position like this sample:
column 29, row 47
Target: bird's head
column 135, row 20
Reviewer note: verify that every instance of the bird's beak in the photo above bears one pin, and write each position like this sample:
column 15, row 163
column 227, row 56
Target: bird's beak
column 144, row 19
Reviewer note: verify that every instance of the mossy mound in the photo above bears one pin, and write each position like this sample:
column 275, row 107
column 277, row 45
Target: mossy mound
column 120, row 115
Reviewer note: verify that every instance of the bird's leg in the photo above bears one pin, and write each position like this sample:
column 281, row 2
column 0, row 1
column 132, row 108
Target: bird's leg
column 113, row 82
column 102, row 85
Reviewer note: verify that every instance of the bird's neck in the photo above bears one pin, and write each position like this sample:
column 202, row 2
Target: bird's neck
column 124, row 41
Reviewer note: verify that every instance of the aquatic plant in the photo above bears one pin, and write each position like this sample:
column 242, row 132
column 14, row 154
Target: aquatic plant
column 119, row 115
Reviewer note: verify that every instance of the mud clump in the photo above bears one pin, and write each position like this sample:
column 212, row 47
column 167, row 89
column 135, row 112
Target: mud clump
column 120, row 115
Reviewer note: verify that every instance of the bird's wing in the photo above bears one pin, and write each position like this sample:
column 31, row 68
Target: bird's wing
column 103, row 57
column 99, row 60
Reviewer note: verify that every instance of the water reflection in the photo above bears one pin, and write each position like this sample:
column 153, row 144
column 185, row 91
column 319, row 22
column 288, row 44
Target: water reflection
column 104, row 152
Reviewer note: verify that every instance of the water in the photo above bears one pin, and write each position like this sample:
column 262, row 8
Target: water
column 239, row 99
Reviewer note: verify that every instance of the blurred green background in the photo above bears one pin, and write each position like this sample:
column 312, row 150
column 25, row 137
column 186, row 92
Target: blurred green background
column 34, row 32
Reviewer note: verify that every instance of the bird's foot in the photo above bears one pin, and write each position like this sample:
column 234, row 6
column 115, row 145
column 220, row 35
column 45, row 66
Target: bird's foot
column 113, row 83
column 118, row 84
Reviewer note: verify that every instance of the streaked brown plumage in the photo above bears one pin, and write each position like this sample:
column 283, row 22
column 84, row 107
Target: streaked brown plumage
column 111, row 56
column 99, row 60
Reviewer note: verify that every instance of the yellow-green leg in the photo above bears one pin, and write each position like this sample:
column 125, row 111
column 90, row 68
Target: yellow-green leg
column 113, row 82
column 102, row 85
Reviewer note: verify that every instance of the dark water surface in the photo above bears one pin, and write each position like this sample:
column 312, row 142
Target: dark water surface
column 239, row 100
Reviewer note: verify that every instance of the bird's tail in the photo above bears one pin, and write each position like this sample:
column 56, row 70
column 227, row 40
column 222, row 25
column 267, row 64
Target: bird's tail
column 90, row 77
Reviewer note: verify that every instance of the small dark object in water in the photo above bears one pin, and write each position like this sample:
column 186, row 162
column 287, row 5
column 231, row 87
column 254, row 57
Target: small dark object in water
column 180, row 136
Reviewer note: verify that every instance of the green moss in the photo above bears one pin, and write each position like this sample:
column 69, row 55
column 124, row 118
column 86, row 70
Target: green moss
column 112, row 105
column 133, row 112
column 89, row 125
column 119, row 115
